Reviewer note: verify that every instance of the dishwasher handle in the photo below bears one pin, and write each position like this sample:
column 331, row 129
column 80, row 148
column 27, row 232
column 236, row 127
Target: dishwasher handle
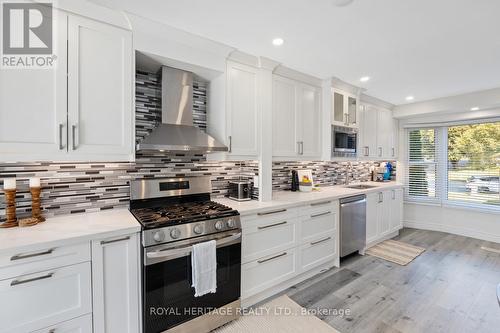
column 354, row 199
column 352, row 203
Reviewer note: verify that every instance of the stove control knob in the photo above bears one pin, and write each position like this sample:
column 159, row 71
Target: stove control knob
column 159, row 236
column 175, row 233
column 198, row 229
column 231, row 223
column 219, row 225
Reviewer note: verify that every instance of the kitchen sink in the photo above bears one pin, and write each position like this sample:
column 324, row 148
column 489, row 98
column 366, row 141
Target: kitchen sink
column 360, row 186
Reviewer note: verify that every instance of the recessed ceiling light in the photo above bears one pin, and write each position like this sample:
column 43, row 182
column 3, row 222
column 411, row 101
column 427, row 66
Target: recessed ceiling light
column 278, row 41
column 365, row 79
column 410, row 98
column 474, row 108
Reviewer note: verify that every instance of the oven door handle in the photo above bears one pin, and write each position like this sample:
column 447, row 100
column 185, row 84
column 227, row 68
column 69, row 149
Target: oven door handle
column 186, row 250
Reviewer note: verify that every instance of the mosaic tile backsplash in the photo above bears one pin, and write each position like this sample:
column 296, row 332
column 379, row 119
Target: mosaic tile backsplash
column 325, row 173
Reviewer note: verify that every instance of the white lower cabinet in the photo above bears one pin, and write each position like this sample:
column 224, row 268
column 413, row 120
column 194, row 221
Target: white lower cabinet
column 78, row 325
column 384, row 214
column 116, row 288
column 282, row 246
column 34, row 301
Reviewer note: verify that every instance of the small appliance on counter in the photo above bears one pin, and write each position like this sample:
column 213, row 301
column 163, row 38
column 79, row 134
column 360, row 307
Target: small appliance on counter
column 305, row 180
column 240, row 190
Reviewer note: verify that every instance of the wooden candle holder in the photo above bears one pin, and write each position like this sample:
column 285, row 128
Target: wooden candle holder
column 10, row 210
column 35, row 204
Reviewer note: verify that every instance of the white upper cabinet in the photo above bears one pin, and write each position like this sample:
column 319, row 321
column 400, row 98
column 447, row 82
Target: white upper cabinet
column 100, row 75
column 378, row 133
column 242, row 111
column 81, row 110
column 296, row 119
column 309, row 120
column 345, row 109
column 285, row 133
column 33, row 107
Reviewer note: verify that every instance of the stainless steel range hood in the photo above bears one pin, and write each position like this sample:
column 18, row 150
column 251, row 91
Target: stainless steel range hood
column 177, row 132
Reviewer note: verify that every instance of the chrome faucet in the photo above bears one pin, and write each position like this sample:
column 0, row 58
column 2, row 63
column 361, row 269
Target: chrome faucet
column 349, row 168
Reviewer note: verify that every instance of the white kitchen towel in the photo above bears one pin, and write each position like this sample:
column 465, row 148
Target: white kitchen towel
column 204, row 268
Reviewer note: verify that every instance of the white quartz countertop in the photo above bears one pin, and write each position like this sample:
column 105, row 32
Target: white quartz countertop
column 69, row 229
column 283, row 199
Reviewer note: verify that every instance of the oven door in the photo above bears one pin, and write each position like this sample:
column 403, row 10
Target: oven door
column 168, row 296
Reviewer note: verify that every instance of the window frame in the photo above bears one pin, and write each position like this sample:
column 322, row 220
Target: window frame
column 441, row 150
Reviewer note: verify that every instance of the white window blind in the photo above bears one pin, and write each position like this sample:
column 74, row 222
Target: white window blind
column 474, row 164
column 422, row 173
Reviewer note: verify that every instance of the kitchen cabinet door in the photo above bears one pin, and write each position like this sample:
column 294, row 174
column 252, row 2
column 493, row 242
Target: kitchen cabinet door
column 242, row 110
column 385, row 130
column 309, row 121
column 285, row 132
column 396, row 209
column 100, row 103
column 115, row 284
column 33, row 123
column 338, row 108
column 384, row 213
column 368, row 133
column 372, row 203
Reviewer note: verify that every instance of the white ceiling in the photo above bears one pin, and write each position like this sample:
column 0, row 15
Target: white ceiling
column 424, row 48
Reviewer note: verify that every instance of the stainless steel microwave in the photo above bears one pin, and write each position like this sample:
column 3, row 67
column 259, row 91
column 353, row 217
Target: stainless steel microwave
column 344, row 141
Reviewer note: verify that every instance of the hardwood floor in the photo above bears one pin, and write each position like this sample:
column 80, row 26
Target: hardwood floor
column 451, row 287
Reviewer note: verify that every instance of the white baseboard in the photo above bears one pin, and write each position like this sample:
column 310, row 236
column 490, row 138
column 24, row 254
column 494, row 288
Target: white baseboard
column 467, row 232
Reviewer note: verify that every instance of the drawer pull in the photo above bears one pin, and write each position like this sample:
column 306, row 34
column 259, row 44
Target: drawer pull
column 115, row 240
column 31, row 255
column 271, row 225
column 43, row 277
column 321, row 203
column 272, row 212
column 275, row 257
column 321, row 241
column 320, row 214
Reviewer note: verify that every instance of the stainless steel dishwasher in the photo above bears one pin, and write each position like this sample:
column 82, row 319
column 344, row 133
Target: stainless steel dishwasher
column 352, row 224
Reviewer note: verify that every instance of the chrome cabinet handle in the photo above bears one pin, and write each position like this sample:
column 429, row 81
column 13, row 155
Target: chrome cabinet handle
column 272, row 212
column 321, row 241
column 393, row 194
column 298, row 147
column 393, row 152
column 274, row 257
column 380, row 151
column 230, row 144
column 367, row 151
column 321, row 214
column 115, row 240
column 73, row 137
column 61, row 146
column 271, row 225
column 380, row 197
column 301, row 147
column 31, row 255
column 321, row 203
column 43, row 277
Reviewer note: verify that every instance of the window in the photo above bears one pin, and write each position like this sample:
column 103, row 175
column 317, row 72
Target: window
column 422, row 164
column 474, row 164
column 457, row 164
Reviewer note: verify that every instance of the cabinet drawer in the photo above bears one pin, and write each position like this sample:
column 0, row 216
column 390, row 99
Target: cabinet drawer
column 20, row 263
column 317, row 252
column 258, row 275
column 78, row 325
column 271, row 215
column 31, row 302
column 317, row 224
column 319, row 207
column 262, row 239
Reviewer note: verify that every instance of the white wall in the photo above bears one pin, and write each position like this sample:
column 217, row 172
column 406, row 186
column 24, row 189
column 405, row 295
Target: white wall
column 454, row 220
column 461, row 221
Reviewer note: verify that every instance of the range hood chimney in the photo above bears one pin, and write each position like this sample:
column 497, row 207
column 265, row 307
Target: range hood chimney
column 176, row 131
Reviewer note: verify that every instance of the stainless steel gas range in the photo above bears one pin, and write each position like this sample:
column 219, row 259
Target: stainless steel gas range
column 176, row 213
